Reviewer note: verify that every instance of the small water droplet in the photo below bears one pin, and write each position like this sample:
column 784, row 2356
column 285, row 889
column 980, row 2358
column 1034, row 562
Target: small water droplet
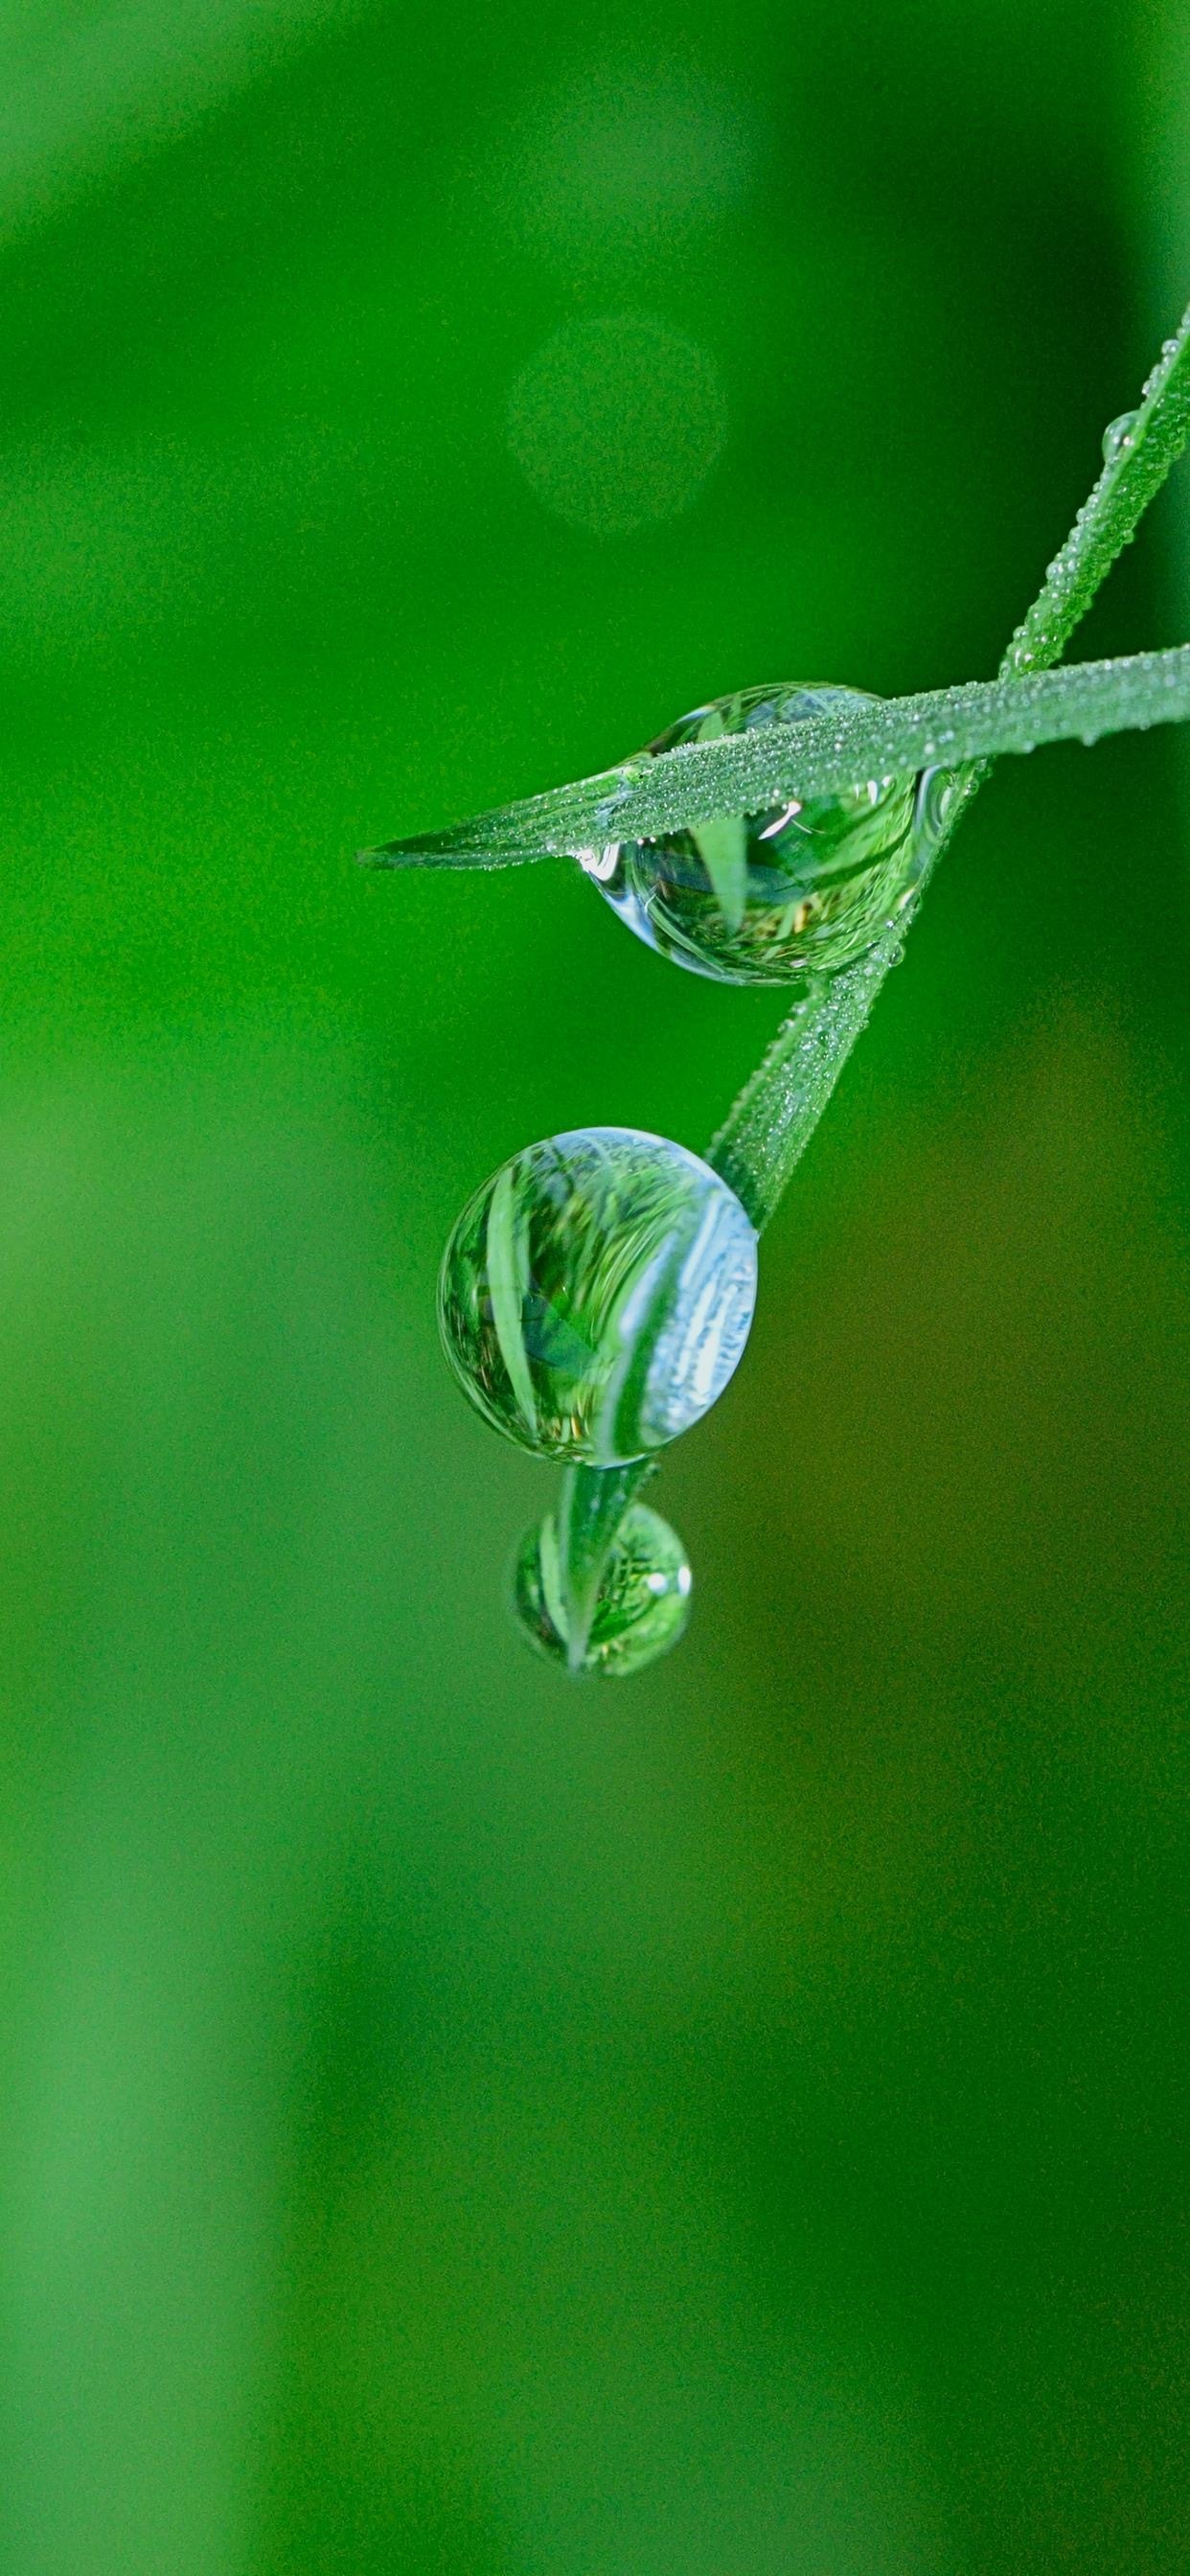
column 937, row 796
column 641, row 1607
column 1117, row 436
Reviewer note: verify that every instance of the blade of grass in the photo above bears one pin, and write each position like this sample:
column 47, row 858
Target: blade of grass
column 1133, row 474
column 771, row 1122
column 701, row 782
column 591, row 1507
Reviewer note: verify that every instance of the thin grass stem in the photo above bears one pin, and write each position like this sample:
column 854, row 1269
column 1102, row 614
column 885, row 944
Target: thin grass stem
column 771, row 1122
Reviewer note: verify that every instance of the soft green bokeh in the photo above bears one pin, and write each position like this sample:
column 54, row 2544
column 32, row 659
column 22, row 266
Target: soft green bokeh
column 724, row 2124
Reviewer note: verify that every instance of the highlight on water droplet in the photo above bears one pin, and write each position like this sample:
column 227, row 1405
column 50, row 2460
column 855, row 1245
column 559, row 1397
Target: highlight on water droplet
column 1118, row 436
column 596, row 1294
column 641, row 1605
column 800, row 889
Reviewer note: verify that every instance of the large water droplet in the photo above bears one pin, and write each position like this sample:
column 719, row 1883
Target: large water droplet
column 802, row 888
column 641, row 1606
column 596, row 1294
column 1118, row 435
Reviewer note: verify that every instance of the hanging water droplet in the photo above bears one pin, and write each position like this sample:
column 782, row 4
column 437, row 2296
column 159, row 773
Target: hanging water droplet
column 769, row 898
column 596, row 1294
column 641, row 1606
column 939, row 792
column 1118, row 436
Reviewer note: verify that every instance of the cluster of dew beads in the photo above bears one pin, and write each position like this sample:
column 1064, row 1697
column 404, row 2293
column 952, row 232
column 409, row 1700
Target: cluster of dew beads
column 641, row 1603
column 596, row 1294
column 795, row 892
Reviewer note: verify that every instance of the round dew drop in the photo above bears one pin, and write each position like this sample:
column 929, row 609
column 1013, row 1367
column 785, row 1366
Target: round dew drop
column 801, row 889
column 1118, row 435
column 641, row 1607
column 596, row 1294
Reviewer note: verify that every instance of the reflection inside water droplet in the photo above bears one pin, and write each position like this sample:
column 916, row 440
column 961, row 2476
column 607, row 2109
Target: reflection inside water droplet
column 641, row 1606
column 596, row 1294
column 798, row 890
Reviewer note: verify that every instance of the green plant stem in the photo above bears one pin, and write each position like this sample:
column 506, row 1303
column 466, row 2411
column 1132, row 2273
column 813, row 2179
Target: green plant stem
column 742, row 773
column 591, row 1506
column 770, row 1125
column 771, row 1122
column 1132, row 476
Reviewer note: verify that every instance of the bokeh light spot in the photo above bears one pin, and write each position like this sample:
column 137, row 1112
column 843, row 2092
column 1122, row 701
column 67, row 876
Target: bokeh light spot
column 617, row 422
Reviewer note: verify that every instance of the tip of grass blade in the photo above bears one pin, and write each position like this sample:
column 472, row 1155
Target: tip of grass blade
column 442, row 850
column 425, row 850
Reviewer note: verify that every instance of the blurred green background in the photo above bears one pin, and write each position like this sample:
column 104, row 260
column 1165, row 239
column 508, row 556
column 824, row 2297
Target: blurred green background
column 723, row 2125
